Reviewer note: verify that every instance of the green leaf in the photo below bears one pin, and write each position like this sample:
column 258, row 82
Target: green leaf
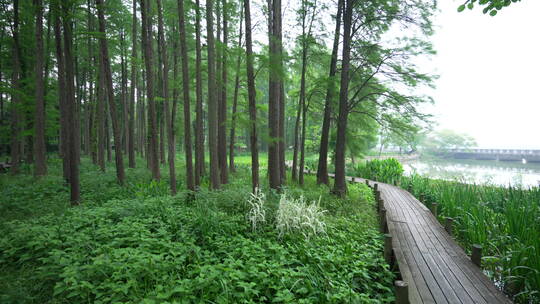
column 461, row 8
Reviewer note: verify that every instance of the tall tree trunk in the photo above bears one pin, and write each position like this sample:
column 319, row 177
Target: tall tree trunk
column 169, row 123
column 39, row 125
column 303, row 143
column 64, row 142
column 199, row 126
column 133, row 85
column 71, row 105
column 322, row 168
column 222, row 113
column 252, row 99
column 185, row 88
column 302, row 101
column 294, row 169
column 147, row 46
column 235, row 96
column 274, row 174
column 340, row 187
column 124, row 99
column 101, row 117
column 112, row 106
column 15, row 96
column 212, row 98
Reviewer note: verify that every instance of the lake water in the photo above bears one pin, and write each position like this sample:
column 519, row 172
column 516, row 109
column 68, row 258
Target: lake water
column 477, row 171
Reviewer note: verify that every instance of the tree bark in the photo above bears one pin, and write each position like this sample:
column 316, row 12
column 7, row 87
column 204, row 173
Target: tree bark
column 124, row 99
column 235, row 98
column 133, row 85
column 101, row 117
column 340, row 186
column 39, row 125
column 199, row 126
column 169, row 122
column 222, row 113
column 322, row 168
column 64, row 139
column 15, row 96
column 120, row 174
column 252, row 100
column 274, row 174
column 187, row 100
column 71, row 106
column 152, row 128
column 212, row 98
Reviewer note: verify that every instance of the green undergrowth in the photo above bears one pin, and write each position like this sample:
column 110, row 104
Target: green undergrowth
column 138, row 244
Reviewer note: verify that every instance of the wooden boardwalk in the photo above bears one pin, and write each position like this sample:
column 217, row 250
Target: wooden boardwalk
column 435, row 268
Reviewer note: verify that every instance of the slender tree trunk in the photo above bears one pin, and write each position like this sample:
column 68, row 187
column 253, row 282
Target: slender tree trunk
column 125, row 103
column 101, row 117
column 133, row 85
column 212, row 98
column 15, row 97
column 322, row 169
column 199, row 126
column 64, row 139
column 187, row 100
column 39, row 125
column 301, row 99
column 294, row 169
column 108, row 144
column 303, row 143
column 147, row 46
column 252, row 100
column 340, row 186
column 222, row 113
column 71, row 105
column 112, row 106
column 235, row 97
column 168, row 125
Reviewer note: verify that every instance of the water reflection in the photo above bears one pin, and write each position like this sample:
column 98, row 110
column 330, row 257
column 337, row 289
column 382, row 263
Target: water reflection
column 477, row 171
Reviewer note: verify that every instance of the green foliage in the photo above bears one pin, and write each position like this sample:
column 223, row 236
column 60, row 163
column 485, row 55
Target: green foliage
column 387, row 170
column 490, row 6
column 148, row 247
column 505, row 221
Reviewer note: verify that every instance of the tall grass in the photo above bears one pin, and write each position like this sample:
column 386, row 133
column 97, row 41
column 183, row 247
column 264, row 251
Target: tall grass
column 505, row 221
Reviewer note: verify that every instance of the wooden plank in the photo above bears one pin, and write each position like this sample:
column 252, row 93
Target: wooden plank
column 464, row 287
column 433, row 264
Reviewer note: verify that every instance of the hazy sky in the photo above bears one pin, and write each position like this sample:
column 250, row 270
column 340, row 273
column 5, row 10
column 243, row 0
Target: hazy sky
column 489, row 71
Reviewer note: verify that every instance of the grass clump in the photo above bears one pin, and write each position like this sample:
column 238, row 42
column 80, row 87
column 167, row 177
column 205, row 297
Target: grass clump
column 297, row 215
column 257, row 213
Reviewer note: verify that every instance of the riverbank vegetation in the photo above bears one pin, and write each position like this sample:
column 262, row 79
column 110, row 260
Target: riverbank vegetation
column 505, row 221
column 139, row 244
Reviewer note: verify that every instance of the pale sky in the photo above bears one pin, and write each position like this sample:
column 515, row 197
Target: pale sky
column 489, row 71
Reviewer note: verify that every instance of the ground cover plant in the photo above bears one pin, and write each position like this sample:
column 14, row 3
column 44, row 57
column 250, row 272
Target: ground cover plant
column 145, row 246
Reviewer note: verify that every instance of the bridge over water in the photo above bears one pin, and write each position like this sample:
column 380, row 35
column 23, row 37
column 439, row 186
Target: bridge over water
column 493, row 154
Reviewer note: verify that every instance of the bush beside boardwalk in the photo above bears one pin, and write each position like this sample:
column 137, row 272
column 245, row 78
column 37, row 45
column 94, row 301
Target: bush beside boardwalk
column 505, row 221
column 143, row 245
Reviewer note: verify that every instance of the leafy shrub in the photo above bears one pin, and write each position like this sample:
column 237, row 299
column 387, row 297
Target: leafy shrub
column 387, row 170
column 296, row 215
